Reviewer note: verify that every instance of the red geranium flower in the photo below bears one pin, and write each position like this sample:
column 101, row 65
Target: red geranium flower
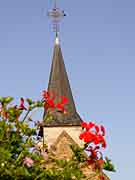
column 82, row 135
column 99, row 139
column 49, row 101
column 104, row 143
column 22, row 107
column 103, row 130
column 87, row 136
column 46, row 94
column 97, row 129
column 49, row 104
column 93, row 134
column 87, row 126
column 64, row 100
column 96, row 140
column 61, row 105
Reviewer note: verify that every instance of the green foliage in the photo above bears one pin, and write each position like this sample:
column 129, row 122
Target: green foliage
column 69, row 170
column 17, row 140
column 79, row 154
column 6, row 100
column 108, row 165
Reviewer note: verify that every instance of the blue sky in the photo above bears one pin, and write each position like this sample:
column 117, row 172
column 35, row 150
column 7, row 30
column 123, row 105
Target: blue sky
column 98, row 44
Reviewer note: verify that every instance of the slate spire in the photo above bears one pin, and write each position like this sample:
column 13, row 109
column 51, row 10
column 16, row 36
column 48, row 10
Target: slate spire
column 59, row 85
column 58, row 81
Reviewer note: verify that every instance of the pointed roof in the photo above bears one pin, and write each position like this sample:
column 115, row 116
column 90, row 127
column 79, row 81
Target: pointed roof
column 59, row 85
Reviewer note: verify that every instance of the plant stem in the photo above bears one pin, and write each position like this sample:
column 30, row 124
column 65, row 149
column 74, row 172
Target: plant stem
column 26, row 116
column 38, row 176
column 19, row 157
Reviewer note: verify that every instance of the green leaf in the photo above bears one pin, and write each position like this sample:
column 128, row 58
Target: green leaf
column 29, row 101
column 6, row 100
column 108, row 165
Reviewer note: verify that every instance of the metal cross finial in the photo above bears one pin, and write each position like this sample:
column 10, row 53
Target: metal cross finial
column 56, row 15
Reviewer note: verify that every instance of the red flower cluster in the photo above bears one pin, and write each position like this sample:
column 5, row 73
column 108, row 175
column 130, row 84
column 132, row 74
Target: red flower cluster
column 21, row 106
column 49, row 99
column 5, row 114
column 93, row 134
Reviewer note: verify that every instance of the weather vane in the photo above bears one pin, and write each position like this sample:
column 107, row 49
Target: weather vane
column 56, row 15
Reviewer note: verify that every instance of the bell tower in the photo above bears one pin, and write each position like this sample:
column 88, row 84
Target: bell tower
column 64, row 129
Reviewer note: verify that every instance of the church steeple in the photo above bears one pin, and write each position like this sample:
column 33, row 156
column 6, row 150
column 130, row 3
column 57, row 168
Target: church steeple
column 58, row 81
column 59, row 85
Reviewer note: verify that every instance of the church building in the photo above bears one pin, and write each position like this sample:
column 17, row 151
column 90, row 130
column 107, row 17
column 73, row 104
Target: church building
column 64, row 129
